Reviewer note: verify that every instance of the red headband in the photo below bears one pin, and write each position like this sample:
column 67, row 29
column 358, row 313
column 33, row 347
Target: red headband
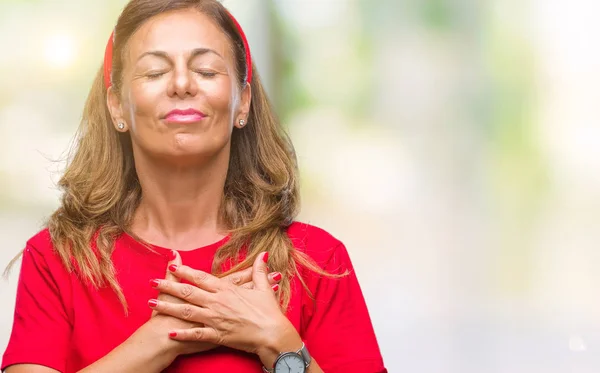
column 108, row 54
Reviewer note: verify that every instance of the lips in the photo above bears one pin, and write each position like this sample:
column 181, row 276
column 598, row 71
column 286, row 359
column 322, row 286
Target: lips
column 184, row 116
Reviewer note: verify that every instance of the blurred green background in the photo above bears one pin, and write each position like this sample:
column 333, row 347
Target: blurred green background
column 453, row 145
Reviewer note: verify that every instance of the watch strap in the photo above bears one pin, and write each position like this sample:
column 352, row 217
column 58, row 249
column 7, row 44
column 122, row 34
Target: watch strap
column 303, row 351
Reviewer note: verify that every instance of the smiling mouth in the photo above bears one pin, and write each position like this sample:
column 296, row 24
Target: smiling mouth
column 184, row 116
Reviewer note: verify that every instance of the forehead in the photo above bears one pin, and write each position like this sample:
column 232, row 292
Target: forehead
column 177, row 32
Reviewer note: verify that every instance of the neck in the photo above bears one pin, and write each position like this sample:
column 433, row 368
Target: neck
column 180, row 205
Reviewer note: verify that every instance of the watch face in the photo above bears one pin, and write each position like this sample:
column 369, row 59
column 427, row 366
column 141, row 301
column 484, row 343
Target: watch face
column 290, row 363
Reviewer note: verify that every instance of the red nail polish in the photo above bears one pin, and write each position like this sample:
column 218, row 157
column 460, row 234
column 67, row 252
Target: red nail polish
column 266, row 257
column 152, row 303
column 275, row 287
column 172, row 334
column 154, row 283
column 172, row 268
column 277, row 276
column 172, row 255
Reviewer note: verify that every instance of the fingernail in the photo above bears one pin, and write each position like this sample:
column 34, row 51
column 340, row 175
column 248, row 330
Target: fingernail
column 277, row 276
column 172, row 334
column 172, row 255
column 152, row 303
column 266, row 257
column 172, row 268
column 154, row 283
column 275, row 287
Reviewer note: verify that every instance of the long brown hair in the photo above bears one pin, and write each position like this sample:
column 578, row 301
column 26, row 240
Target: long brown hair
column 102, row 192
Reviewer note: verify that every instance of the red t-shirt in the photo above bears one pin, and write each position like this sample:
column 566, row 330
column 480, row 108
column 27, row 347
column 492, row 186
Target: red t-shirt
column 65, row 324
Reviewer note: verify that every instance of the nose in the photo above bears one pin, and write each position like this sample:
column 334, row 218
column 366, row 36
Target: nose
column 182, row 84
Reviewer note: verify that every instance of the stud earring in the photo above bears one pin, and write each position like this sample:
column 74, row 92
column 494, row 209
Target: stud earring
column 121, row 125
column 242, row 123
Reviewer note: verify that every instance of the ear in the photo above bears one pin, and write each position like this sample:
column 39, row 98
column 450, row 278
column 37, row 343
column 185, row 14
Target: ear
column 113, row 101
column 244, row 108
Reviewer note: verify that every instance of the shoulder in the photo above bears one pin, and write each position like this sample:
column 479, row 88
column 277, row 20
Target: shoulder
column 41, row 243
column 306, row 237
column 315, row 242
column 40, row 249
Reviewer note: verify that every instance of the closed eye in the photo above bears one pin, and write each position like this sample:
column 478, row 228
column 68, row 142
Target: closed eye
column 155, row 74
column 206, row 73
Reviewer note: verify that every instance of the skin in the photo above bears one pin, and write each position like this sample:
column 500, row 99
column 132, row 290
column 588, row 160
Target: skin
column 181, row 168
column 182, row 171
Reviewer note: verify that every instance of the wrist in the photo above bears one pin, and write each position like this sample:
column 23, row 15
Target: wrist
column 153, row 339
column 286, row 339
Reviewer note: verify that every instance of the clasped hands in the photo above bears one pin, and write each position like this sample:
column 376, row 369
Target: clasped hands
column 240, row 311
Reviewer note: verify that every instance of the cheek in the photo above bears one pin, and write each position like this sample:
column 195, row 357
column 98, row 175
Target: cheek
column 142, row 99
column 219, row 95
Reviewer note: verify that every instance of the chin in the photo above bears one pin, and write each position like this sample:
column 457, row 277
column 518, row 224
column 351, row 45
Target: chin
column 201, row 150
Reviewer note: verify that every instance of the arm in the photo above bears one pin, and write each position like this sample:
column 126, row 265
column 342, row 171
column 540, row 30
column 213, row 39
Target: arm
column 148, row 350
column 289, row 340
column 41, row 335
column 139, row 352
column 338, row 330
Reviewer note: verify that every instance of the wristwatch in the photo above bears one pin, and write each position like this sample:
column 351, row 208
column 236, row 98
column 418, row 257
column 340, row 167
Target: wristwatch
column 291, row 362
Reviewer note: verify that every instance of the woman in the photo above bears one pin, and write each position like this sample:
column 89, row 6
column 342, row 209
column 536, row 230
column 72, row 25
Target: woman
column 179, row 148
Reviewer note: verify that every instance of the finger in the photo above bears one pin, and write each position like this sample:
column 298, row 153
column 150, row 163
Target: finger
column 184, row 311
column 274, row 279
column 201, row 279
column 205, row 334
column 259, row 272
column 241, row 277
column 249, row 285
column 174, row 259
column 187, row 292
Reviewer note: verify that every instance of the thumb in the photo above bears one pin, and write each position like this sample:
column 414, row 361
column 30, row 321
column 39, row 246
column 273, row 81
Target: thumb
column 176, row 260
column 260, row 272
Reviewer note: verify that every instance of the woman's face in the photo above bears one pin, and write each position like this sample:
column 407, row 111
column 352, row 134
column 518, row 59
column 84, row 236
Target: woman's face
column 179, row 98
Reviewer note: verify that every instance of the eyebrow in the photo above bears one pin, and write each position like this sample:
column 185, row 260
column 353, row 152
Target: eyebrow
column 164, row 55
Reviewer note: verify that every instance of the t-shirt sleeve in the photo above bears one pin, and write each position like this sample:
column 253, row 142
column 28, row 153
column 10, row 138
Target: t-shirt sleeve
column 41, row 327
column 338, row 330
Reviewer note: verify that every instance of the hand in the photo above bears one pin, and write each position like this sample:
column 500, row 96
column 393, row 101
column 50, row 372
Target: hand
column 245, row 319
column 241, row 278
column 161, row 321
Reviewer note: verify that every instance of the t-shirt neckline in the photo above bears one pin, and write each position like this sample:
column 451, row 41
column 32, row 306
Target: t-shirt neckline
column 167, row 251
